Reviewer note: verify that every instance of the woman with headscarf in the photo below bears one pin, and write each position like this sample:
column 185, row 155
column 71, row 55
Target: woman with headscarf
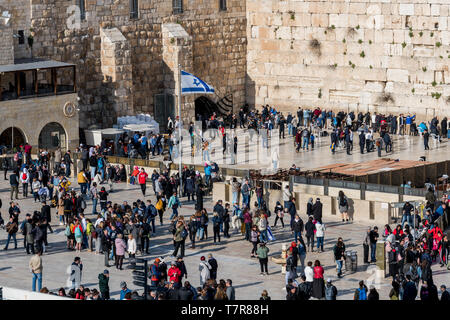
column 204, row 268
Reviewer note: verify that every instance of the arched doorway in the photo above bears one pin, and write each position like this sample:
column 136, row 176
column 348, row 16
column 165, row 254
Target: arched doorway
column 52, row 137
column 12, row 136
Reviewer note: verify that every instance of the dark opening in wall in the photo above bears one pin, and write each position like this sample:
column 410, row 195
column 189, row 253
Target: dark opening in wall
column 21, row 37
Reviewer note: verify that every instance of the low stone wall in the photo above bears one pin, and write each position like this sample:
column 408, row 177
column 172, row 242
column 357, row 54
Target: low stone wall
column 363, row 211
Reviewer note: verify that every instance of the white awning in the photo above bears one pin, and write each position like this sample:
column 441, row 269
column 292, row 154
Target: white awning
column 112, row 131
column 141, row 127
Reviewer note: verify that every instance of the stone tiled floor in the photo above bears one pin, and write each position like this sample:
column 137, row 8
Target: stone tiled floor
column 232, row 254
column 404, row 148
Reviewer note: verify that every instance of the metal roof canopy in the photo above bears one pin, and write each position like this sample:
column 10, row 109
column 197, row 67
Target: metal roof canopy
column 33, row 64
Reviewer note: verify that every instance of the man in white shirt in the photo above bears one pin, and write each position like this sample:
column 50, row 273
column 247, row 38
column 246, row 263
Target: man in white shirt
column 309, row 274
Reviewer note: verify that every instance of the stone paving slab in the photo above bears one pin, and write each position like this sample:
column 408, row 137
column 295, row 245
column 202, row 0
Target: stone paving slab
column 233, row 255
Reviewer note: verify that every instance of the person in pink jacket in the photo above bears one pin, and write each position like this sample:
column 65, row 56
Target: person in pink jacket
column 121, row 248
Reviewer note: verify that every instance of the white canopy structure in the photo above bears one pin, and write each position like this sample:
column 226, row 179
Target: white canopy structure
column 94, row 137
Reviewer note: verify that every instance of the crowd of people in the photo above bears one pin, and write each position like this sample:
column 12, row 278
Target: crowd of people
column 121, row 231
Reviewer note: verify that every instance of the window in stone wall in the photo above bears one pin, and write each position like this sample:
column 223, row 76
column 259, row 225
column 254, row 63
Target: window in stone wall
column 177, row 6
column 134, row 9
column 223, row 5
column 82, row 5
column 21, row 37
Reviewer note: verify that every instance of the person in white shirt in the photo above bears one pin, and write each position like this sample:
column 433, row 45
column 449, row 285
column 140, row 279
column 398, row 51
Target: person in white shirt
column 25, row 180
column 131, row 248
column 320, row 232
column 309, row 274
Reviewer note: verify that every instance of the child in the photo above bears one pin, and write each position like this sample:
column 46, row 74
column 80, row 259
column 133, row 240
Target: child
column 312, row 141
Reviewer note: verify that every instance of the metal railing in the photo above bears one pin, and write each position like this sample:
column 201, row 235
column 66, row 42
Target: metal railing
column 358, row 186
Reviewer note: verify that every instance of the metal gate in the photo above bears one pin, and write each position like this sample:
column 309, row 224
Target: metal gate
column 164, row 108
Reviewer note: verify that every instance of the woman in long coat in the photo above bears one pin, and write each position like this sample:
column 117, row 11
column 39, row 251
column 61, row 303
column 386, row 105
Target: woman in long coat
column 204, row 267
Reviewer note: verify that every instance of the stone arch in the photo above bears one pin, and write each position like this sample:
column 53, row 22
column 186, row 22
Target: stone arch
column 7, row 136
column 52, row 136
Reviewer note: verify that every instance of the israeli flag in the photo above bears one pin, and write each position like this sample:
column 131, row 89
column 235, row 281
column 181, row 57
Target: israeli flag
column 270, row 235
column 190, row 84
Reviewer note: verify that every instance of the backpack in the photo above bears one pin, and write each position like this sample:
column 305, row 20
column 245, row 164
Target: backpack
column 67, row 232
column 159, row 205
column 184, row 233
column 343, row 202
column 78, row 232
column 24, row 176
column 362, row 294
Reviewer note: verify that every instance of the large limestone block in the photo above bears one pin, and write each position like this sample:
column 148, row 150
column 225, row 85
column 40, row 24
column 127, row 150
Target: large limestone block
column 406, row 9
column 399, row 75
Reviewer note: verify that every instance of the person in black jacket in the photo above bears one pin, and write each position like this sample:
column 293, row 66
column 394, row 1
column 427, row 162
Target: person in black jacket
column 310, row 227
column 292, row 293
column 409, row 289
column 46, row 214
column 185, row 293
column 173, row 292
column 339, row 250
column 290, row 206
column 106, row 246
column 373, row 294
column 14, row 182
column 317, row 210
column 297, row 228
column 180, row 265
column 214, row 266
column 445, row 296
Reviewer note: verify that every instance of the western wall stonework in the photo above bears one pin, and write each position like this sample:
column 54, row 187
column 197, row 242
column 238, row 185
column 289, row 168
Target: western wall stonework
column 218, row 45
column 388, row 56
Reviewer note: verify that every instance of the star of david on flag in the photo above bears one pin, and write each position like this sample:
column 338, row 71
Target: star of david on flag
column 191, row 84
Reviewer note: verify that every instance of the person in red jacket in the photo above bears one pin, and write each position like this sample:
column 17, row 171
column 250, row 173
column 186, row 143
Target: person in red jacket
column 142, row 179
column 174, row 273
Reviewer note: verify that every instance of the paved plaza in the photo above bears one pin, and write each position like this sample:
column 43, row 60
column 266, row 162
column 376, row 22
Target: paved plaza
column 251, row 155
column 233, row 255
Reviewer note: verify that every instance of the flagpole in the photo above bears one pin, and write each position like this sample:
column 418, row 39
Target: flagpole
column 180, row 149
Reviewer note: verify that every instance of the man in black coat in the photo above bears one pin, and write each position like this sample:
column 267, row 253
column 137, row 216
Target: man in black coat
column 185, row 293
column 317, row 210
column 173, row 292
column 46, row 214
column 362, row 141
column 214, row 266
column 445, row 296
column 180, row 265
column 410, row 290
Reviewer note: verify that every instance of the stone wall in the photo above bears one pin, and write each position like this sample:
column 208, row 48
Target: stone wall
column 50, row 109
column 20, row 11
column 177, row 51
column 218, row 47
column 117, row 71
column 378, row 55
column 6, row 44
